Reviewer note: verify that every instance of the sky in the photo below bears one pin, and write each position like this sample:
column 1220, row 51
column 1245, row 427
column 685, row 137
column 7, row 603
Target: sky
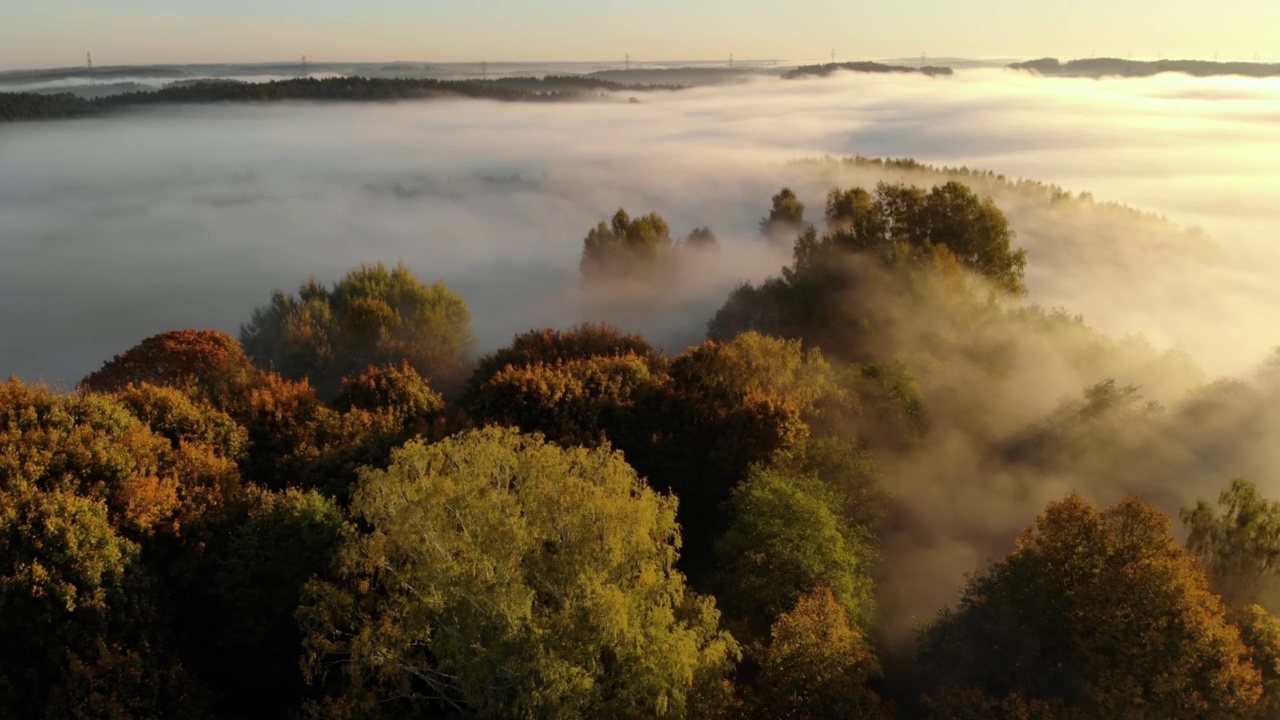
column 58, row 33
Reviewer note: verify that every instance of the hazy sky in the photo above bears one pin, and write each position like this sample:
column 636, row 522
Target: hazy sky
column 45, row 33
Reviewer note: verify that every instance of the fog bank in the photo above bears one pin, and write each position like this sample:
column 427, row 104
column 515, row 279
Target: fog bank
column 114, row 229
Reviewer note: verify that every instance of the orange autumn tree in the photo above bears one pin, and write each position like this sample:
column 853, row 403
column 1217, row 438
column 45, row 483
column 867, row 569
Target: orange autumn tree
column 815, row 666
column 91, row 445
column 1100, row 613
column 91, row 498
column 182, row 359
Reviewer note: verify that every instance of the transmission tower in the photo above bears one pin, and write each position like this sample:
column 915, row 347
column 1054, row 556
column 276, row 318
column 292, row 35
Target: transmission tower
column 628, row 62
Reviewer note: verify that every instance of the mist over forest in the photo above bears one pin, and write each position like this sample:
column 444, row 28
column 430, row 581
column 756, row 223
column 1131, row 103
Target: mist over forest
column 886, row 359
column 187, row 217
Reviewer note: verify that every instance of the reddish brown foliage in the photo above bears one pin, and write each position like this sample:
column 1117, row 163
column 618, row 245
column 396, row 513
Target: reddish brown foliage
column 183, row 359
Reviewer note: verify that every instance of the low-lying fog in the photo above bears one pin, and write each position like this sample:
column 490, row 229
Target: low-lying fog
column 115, row 229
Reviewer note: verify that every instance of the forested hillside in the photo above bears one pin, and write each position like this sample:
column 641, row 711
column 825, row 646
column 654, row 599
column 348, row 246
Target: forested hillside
column 41, row 106
column 343, row 513
column 863, row 67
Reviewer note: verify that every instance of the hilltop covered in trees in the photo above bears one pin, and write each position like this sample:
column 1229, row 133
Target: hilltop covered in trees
column 863, row 67
column 342, row 514
column 1116, row 67
column 38, row 106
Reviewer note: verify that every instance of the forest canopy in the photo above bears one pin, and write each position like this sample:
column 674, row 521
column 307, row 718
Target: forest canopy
column 343, row 513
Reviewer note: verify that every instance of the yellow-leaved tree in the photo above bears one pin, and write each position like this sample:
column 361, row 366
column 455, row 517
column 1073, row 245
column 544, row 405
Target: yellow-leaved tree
column 506, row 577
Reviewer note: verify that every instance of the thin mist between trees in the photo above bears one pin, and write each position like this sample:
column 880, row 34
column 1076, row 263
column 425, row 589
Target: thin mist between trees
column 342, row 515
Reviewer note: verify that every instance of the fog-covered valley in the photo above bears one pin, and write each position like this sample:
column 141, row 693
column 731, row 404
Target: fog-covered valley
column 127, row 226
column 878, row 414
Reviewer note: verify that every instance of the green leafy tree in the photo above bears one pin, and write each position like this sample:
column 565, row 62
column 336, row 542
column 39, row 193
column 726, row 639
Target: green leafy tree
column 1260, row 632
column 285, row 540
column 786, row 217
column 1239, row 543
column 752, row 362
column 889, row 411
column 505, row 577
column 174, row 415
column 788, row 540
column 78, row 626
column 848, row 471
column 626, row 247
column 372, row 316
column 701, row 238
column 902, row 223
column 900, row 244
column 1099, row 612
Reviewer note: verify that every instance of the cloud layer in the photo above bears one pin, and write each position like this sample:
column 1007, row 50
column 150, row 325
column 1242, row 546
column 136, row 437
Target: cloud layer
column 117, row 228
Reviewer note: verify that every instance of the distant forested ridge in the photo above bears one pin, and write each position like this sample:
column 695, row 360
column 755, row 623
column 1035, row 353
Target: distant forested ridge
column 38, row 106
column 863, row 67
column 685, row 76
column 1116, row 67
column 988, row 181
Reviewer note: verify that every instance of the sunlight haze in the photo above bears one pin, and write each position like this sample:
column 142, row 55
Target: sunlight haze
column 57, row 33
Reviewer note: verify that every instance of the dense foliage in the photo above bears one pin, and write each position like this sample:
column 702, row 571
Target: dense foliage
column 372, row 316
column 1100, row 614
column 502, row 577
column 300, row 523
column 900, row 238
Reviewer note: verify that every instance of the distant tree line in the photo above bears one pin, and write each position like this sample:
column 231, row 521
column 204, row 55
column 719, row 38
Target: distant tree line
column 1117, row 67
column 34, row 106
column 863, row 67
column 39, row 106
